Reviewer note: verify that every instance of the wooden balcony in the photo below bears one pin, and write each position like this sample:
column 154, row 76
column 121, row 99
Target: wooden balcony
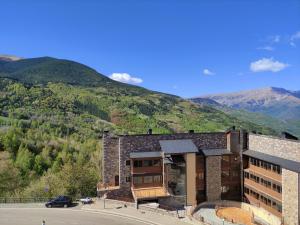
column 263, row 189
column 145, row 170
column 148, row 193
column 264, row 173
column 256, row 202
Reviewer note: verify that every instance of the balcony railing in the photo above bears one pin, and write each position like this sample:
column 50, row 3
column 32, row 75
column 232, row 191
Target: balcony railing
column 265, row 173
column 148, row 169
column 263, row 189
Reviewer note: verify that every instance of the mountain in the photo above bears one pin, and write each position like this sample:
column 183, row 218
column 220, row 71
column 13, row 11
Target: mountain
column 276, row 102
column 9, row 58
column 273, row 107
column 85, row 91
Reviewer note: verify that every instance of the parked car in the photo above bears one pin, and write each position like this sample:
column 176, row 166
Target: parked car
column 60, row 201
column 86, row 200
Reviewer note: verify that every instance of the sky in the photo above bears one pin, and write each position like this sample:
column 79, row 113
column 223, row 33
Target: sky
column 184, row 47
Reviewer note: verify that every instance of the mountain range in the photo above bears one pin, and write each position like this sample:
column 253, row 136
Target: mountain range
column 72, row 89
column 273, row 107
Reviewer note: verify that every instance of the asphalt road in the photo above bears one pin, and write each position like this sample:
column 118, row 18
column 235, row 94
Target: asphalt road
column 60, row 216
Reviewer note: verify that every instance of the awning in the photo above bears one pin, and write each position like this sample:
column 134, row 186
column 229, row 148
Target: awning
column 136, row 155
column 215, row 152
column 284, row 163
column 178, row 146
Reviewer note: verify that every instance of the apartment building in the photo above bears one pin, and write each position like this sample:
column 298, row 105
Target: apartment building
column 271, row 176
column 191, row 168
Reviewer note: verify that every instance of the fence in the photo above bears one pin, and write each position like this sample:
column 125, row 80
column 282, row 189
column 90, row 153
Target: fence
column 23, row 200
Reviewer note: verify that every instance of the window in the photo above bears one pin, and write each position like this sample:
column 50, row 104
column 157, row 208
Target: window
column 276, row 188
column 224, row 189
column 147, row 163
column 225, row 173
column 127, row 162
column 226, row 158
column 276, row 169
column 128, row 179
column 117, row 180
column 200, row 175
column 246, row 175
column 137, row 180
column 246, row 190
column 148, row 179
column 156, row 162
column 138, row 163
column 235, row 173
column 157, row 179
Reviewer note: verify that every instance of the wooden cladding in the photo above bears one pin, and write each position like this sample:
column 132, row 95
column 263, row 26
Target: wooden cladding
column 139, row 181
column 144, row 166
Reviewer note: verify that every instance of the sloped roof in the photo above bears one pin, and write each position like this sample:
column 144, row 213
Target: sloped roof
column 136, row 155
column 178, row 146
column 284, row 163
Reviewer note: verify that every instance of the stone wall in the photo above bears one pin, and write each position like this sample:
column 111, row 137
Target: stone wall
column 110, row 159
column 213, row 178
column 283, row 148
column 290, row 197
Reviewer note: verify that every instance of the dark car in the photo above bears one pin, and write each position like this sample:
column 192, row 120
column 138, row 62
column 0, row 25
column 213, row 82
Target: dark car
column 60, row 201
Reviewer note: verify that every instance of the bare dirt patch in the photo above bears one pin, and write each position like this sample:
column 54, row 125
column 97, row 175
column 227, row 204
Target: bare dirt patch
column 235, row 215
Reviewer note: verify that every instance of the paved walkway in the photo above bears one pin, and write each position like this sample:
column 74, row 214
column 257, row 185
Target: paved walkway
column 155, row 218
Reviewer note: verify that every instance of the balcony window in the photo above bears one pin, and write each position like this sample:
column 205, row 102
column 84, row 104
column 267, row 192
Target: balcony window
column 225, row 173
column 148, row 179
column 156, row 162
column 138, row 163
column 137, row 180
column 157, row 179
column 147, row 163
column 200, row 176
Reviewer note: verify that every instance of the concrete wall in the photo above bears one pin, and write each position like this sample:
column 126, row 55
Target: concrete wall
column 290, row 197
column 213, row 178
column 191, row 179
column 283, row 148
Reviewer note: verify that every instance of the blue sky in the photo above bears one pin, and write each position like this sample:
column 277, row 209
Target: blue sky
column 186, row 47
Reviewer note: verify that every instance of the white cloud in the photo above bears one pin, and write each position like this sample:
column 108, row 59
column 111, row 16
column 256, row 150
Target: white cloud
column 267, row 48
column 125, row 78
column 275, row 38
column 208, row 72
column 267, row 64
column 294, row 37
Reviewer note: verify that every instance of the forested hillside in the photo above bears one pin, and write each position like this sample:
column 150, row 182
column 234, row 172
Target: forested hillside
column 52, row 119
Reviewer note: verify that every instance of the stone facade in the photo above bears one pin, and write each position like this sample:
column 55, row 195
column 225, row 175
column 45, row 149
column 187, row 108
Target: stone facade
column 147, row 143
column 213, row 178
column 116, row 151
column 290, row 197
column 283, row 148
column 110, row 159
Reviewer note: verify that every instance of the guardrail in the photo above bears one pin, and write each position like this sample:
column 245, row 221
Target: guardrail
column 22, row 200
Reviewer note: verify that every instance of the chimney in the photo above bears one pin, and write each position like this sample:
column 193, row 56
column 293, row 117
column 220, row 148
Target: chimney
column 233, row 141
column 191, row 131
column 149, row 131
